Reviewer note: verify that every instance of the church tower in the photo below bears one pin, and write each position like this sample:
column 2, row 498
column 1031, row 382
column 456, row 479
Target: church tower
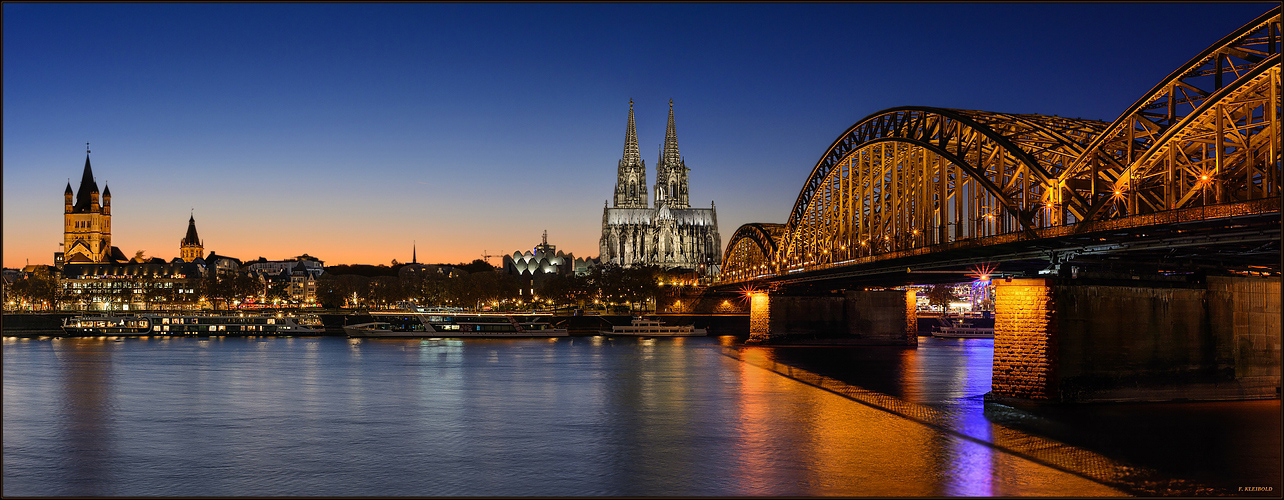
column 191, row 247
column 87, row 222
column 671, row 171
column 630, row 183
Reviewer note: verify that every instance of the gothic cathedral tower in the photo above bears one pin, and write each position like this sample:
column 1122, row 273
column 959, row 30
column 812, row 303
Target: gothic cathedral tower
column 191, row 247
column 671, row 234
column 630, row 183
column 87, row 222
column 671, row 171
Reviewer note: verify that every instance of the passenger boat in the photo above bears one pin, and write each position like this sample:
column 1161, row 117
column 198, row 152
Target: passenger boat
column 190, row 325
column 964, row 332
column 412, row 325
column 643, row 327
column 965, row 326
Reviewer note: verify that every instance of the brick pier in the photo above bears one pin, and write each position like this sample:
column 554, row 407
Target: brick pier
column 1063, row 341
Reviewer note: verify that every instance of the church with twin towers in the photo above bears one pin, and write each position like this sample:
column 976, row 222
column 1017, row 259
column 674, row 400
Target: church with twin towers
column 668, row 234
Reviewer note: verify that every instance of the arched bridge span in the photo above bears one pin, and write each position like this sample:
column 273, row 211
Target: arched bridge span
column 916, row 180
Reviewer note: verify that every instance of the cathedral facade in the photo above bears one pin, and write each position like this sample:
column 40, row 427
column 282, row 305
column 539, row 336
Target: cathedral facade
column 669, row 234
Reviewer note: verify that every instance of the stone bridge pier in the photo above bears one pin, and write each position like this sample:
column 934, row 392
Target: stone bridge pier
column 857, row 317
column 1061, row 341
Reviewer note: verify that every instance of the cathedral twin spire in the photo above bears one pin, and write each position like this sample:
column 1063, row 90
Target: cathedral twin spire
column 630, row 184
column 671, row 171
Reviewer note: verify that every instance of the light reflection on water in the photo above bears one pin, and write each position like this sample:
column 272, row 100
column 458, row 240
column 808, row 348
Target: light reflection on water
column 572, row 416
column 1146, row 449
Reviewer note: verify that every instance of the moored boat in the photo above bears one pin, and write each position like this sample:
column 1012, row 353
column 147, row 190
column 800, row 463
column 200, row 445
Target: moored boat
column 964, row 332
column 644, row 327
column 188, row 325
column 453, row 325
column 965, row 326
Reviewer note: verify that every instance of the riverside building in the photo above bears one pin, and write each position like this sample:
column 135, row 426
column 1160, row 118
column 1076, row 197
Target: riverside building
column 669, row 234
column 536, row 265
column 94, row 275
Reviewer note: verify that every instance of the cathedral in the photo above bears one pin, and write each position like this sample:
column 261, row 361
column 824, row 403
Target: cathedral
column 670, row 234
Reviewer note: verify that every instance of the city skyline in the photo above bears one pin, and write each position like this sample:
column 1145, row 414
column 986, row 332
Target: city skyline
column 351, row 132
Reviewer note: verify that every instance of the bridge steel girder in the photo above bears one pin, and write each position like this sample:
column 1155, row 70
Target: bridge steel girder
column 915, row 176
column 750, row 251
column 971, row 138
column 910, row 178
column 1146, row 160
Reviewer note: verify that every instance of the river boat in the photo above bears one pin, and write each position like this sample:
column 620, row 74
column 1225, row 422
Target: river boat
column 963, row 328
column 190, row 325
column 964, row 332
column 644, row 327
column 972, row 325
column 454, row 325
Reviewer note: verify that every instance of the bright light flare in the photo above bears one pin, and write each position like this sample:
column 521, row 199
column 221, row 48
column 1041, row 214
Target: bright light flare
column 983, row 271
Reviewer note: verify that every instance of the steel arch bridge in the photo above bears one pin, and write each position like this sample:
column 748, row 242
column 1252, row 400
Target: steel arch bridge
column 916, row 180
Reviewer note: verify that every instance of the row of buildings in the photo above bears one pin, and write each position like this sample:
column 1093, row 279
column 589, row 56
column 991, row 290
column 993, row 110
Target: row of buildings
column 668, row 233
column 93, row 274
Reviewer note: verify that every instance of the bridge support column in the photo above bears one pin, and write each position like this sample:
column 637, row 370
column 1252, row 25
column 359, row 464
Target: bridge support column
column 1025, row 334
column 885, row 317
column 1068, row 341
column 854, row 317
column 759, row 317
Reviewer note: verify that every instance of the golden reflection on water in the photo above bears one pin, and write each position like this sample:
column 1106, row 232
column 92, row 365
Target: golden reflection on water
column 755, row 435
column 855, row 448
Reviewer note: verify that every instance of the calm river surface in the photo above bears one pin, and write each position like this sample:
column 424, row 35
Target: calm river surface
column 581, row 416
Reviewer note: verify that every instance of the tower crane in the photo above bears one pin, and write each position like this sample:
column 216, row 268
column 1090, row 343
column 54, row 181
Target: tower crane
column 486, row 257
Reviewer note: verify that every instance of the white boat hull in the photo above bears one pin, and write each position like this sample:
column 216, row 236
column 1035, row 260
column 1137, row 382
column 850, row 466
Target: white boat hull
column 641, row 327
column 964, row 333
column 698, row 332
column 364, row 331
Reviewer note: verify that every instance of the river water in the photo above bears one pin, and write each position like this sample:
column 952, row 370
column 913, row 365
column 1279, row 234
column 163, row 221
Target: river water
column 581, row 416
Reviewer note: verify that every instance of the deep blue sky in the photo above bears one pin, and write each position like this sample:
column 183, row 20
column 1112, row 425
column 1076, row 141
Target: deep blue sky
column 349, row 130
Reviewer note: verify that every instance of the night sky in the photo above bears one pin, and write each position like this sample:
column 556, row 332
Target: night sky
column 347, row 131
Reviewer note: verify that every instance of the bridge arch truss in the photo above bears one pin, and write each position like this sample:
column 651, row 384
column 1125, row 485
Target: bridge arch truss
column 751, row 251
column 917, row 177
